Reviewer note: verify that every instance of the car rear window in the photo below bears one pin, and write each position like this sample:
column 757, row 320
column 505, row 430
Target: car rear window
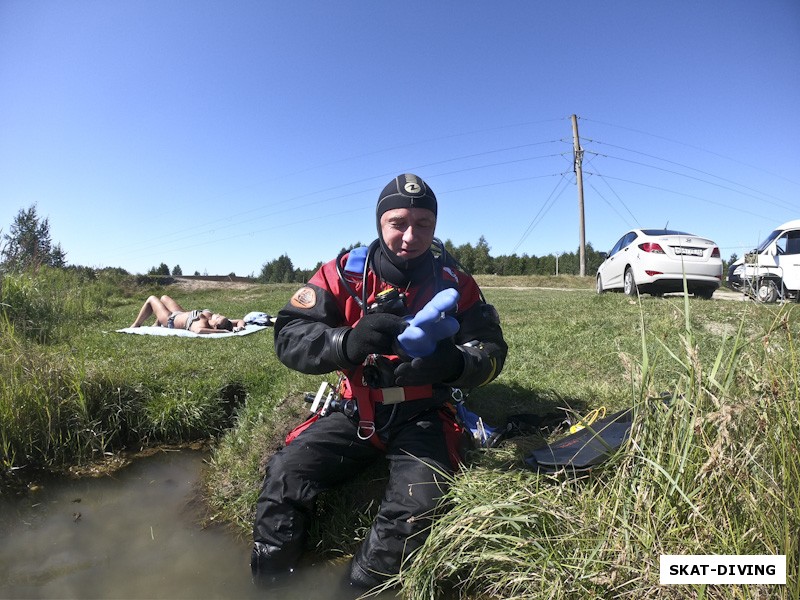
column 663, row 232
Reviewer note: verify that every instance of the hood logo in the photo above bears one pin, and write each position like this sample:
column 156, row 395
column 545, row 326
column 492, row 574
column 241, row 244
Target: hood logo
column 412, row 187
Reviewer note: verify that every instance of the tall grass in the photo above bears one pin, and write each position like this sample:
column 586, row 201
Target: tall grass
column 69, row 395
column 48, row 305
column 714, row 471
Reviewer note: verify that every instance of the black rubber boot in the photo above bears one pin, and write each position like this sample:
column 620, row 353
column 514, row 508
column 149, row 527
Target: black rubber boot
column 361, row 578
column 265, row 569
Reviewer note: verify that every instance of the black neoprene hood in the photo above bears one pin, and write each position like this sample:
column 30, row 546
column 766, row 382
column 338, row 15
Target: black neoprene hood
column 405, row 191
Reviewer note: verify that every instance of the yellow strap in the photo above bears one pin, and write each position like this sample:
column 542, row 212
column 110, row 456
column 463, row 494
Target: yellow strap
column 591, row 417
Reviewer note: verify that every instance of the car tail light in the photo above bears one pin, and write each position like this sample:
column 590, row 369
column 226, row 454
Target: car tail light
column 652, row 247
column 653, row 273
column 715, row 253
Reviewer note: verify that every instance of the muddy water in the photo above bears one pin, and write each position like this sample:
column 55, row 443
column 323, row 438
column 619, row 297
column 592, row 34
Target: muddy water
column 135, row 535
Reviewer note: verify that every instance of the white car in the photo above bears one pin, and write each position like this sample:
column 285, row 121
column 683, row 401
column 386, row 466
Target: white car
column 657, row 260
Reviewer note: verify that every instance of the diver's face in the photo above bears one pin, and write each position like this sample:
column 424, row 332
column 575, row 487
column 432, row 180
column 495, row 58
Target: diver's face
column 408, row 232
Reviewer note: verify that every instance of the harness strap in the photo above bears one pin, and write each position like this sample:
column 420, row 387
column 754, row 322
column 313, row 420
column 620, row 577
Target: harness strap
column 366, row 398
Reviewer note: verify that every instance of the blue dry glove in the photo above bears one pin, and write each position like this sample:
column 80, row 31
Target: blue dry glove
column 430, row 325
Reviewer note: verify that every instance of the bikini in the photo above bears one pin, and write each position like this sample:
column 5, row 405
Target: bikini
column 193, row 315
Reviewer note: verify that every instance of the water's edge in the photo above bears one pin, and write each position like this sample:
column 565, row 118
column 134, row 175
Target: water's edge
column 134, row 534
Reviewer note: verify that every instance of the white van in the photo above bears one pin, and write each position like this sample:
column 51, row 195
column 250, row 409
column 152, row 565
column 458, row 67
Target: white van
column 771, row 272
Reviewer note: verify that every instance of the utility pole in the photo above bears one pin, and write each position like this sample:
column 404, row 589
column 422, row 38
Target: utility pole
column 577, row 165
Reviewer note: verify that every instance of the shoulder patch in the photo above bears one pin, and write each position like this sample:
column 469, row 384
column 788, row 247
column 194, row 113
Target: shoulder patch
column 305, row 297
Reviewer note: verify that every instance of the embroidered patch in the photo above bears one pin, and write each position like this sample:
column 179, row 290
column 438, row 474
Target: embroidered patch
column 304, row 298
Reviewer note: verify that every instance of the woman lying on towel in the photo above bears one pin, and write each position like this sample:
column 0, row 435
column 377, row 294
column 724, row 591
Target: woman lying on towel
column 171, row 314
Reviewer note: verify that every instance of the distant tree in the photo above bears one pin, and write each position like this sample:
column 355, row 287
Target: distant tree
column 28, row 243
column 546, row 265
column 162, row 269
column 176, row 271
column 482, row 262
column 465, row 254
column 473, row 259
column 351, row 246
column 510, row 265
column 279, row 270
column 593, row 260
column 303, row 275
column 197, row 273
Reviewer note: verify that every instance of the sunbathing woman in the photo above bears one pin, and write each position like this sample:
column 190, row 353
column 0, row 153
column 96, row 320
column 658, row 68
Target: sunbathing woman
column 171, row 314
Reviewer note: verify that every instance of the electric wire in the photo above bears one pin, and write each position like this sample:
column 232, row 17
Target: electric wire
column 613, row 191
column 543, row 210
column 296, row 203
column 611, row 206
column 641, row 164
column 690, row 146
column 685, row 167
column 692, row 196
column 211, row 227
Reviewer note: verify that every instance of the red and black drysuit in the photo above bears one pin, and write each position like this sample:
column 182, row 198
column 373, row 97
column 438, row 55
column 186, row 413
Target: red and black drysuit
column 419, row 435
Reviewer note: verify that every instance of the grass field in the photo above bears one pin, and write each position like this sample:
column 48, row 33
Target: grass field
column 715, row 471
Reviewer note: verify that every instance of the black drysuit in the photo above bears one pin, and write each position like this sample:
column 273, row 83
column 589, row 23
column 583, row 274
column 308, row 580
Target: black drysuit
column 419, row 435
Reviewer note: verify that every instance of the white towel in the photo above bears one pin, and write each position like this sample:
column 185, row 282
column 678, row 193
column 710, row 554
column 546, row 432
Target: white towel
column 184, row 333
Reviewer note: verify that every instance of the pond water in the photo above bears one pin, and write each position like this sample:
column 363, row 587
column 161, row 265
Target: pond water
column 136, row 534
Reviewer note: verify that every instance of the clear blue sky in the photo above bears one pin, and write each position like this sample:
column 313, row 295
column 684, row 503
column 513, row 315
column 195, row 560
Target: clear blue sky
column 221, row 135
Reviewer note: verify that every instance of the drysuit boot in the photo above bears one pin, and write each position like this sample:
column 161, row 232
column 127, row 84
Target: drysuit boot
column 264, row 568
column 362, row 578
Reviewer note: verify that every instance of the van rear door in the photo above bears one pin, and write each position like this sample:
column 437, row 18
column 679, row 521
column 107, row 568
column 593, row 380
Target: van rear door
column 787, row 257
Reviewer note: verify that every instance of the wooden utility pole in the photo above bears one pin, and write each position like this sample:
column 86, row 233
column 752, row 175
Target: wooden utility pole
column 578, row 160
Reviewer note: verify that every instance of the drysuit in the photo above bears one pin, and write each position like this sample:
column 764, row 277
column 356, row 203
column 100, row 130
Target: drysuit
column 420, row 435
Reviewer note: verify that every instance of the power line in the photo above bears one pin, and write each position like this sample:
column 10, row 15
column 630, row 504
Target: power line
column 683, row 194
column 543, row 210
column 613, row 191
column 641, row 164
column 212, row 226
column 693, row 147
column 284, row 206
column 687, row 167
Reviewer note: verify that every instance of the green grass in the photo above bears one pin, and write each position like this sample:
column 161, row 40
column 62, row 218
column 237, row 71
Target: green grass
column 716, row 471
column 713, row 472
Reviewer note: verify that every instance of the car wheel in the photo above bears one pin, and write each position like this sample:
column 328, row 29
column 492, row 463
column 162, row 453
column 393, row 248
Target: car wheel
column 705, row 293
column 599, row 285
column 767, row 291
column 629, row 284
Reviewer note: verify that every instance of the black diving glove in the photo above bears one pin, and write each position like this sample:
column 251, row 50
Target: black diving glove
column 445, row 364
column 375, row 333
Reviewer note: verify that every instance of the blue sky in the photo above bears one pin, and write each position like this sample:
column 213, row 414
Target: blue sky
column 221, row 135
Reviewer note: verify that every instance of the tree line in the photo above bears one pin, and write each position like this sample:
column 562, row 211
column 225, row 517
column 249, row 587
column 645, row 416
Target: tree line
column 28, row 244
column 474, row 259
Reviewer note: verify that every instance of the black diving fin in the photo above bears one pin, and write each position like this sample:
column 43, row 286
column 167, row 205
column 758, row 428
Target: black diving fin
column 588, row 446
